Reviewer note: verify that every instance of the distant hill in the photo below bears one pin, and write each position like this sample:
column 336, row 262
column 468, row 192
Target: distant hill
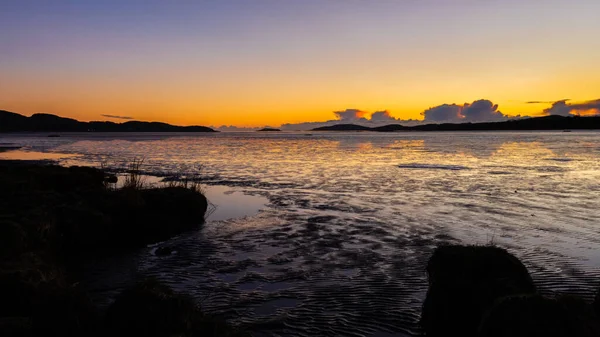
column 538, row 123
column 389, row 128
column 344, row 127
column 13, row 122
column 268, row 130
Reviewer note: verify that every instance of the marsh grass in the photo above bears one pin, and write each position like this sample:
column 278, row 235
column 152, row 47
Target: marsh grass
column 491, row 240
column 190, row 184
column 134, row 179
column 193, row 183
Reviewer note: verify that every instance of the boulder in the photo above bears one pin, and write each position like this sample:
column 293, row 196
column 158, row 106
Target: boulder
column 153, row 309
column 536, row 316
column 597, row 302
column 464, row 282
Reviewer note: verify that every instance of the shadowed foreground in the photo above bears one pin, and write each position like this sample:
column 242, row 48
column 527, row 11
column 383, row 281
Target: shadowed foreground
column 487, row 292
column 52, row 218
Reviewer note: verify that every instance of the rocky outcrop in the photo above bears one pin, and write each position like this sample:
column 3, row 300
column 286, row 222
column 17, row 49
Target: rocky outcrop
column 464, row 282
column 479, row 291
column 154, row 310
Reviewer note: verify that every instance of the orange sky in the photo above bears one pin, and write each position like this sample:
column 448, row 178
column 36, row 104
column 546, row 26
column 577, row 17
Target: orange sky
column 270, row 64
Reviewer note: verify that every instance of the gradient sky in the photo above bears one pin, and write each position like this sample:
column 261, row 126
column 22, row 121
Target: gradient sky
column 259, row 62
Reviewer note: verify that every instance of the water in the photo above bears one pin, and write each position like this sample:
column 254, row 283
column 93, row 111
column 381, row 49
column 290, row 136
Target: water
column 333, row 230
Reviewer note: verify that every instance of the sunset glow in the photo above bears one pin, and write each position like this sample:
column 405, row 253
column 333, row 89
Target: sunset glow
column 274, row 62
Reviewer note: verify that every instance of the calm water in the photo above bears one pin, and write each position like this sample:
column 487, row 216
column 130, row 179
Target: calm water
column 332, row 231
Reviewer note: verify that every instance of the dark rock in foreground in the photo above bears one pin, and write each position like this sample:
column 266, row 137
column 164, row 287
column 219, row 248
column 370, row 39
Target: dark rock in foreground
column 487, row 292
column 464, row 282
column 154, row 310
column 597, row 303
column 536, row 316
column 38, row 300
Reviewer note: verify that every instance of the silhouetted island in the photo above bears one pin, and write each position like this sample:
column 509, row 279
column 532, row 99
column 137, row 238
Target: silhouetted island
column 344, row 127
column 268, row 130
column 14, row 122
column 537, row 123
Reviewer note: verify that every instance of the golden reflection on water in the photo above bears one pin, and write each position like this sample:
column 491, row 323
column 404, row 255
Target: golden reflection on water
column 34, row 155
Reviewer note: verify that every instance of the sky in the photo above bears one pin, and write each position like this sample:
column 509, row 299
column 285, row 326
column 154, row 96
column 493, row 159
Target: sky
column 253, row 63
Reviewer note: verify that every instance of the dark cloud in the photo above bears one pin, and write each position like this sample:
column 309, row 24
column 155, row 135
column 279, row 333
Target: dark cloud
column 482, row 111
column 479, row 111
column 383, row 116
column 118, row 117
column 563, row 108
column 443, row 113
column 558, row 108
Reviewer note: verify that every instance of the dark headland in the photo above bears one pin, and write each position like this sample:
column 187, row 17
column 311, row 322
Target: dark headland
column 55, row 219
column 268, row 130
column 14, row 122
column 537, row 123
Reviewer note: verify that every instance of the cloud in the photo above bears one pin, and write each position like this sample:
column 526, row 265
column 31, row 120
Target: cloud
column 563, row 108
column 384, row 115
column 353, row 116
column 232, row 128
column 118, row 117
column 443, row 113
column 545, row 102
column 482, row 110
column 479, row 111
column 350, row 114
column 558, row 108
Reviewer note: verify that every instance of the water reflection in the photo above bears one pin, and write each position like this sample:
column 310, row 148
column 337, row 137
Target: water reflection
column 34, row 155
column 230, row 204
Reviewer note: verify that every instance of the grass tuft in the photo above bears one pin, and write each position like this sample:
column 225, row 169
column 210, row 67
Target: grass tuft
column 134, row 180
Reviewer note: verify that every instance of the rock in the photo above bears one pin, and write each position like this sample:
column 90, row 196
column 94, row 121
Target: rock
column 35, row 289
column 597, row 303
column 13, row 239
column 535, row 316
column 150, row 309
column 153, row 309
column 111, row 179
column 164, row 251
column 464, row 282
column 16, row 327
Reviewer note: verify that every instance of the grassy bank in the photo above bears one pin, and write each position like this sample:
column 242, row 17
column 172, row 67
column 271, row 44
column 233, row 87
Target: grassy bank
column 53, row 217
